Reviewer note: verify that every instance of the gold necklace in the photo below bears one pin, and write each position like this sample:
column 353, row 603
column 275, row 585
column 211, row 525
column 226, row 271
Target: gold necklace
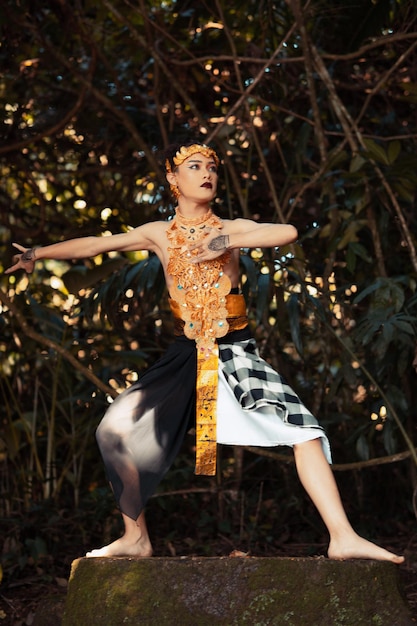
column 193, row 228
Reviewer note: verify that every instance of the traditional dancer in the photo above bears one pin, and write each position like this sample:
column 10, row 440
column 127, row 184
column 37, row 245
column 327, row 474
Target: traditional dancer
column 212, row 376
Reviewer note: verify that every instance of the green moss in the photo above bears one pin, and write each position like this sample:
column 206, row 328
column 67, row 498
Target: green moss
column 227, row 591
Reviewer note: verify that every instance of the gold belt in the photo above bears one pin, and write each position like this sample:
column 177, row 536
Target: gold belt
column 207, row 384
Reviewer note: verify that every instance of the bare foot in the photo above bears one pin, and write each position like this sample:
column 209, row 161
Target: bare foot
column 124, row 547
column 359, row 548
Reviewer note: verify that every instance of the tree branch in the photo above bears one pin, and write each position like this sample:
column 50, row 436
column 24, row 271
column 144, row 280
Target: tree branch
column 336, row 467
column 56, row 347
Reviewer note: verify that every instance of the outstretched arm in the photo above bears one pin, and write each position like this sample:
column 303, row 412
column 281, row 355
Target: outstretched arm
column 249, row 234
column 242, row 233
column 83, row 247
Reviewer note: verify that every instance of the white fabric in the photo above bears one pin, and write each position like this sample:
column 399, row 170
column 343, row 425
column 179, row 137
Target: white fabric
column 260, row 427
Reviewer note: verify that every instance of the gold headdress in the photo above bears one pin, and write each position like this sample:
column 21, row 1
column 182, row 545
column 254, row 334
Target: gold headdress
column 186, row 151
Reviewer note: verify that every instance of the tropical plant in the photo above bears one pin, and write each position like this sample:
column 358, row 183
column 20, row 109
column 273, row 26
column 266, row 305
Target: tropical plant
column 313, row 109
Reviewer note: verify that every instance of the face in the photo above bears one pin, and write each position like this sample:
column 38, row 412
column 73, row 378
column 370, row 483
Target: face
column 196, row 178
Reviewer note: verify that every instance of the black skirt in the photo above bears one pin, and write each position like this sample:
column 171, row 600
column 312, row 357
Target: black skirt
column 144, row 428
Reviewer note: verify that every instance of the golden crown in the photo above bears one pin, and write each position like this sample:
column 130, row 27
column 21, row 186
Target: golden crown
column 186, row 151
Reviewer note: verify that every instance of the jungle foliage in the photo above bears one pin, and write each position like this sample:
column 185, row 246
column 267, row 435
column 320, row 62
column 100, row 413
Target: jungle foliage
column 312, row 107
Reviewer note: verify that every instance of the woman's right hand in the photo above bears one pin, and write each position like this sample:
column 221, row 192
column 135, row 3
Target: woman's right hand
column 25, row 260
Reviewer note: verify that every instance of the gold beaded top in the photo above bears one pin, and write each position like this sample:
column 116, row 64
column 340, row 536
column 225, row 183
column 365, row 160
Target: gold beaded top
column 200, row 288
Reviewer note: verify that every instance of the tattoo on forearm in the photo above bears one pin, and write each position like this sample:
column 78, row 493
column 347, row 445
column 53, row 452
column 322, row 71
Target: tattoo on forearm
column 219, row 243
column 28, row 255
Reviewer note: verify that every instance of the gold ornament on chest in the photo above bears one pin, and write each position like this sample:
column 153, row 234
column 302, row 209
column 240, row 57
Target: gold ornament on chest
column 200, row 288
column 194, row 233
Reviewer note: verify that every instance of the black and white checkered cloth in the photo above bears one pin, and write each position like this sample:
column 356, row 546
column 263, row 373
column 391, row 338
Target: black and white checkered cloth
column 255, row 383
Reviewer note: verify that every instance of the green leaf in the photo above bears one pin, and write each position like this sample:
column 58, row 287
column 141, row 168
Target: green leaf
column 251, row 271
column 362, row 448
column 387, row 292
column 350, row 234
column 356, row 163
column 404, row 191
column 405, row 327
column 394, row 149
column 294, row 318
column 350, row 259
column 397, row 398
column 388, row 332
column 262, row 299
column 376, row 151
column 360, row 251
column 389, row 438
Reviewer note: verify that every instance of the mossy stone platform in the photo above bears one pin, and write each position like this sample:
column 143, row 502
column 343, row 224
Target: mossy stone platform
column 234, row 591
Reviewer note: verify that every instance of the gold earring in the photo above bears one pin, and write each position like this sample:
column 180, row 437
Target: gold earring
column 175, row 191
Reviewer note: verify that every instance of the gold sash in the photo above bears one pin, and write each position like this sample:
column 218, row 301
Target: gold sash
column 207, row 383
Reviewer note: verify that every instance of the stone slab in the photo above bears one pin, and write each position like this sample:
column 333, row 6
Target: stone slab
column 225, row 591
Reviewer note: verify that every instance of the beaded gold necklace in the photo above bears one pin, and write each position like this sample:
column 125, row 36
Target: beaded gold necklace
column 200, row 288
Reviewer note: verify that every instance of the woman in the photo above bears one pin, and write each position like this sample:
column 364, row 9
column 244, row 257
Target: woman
column 212, row 376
